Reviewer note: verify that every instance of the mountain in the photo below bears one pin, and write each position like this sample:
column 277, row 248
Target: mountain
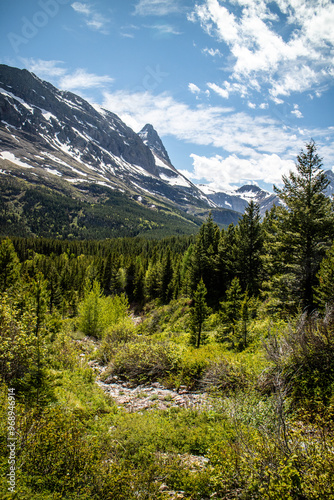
column 56, row 142
column 151, row 139
column 238, row 200
column 330, row 187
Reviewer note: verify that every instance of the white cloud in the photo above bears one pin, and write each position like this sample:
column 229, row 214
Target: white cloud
column 216, row 126
column 212, row 52
column 80, row 79
column 93, row 19
column 220, row 91
column 82, row 8
column 228, row 88
column 157, row 7
column 44, row 68
column 193, row 88
column 165, row 29
column 296, row 111
column 256, row 147
column 225, row 173
column 301, row 61
column 251, row 105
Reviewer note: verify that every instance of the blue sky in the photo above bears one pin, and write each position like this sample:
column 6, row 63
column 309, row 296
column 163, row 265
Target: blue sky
column 234, row 88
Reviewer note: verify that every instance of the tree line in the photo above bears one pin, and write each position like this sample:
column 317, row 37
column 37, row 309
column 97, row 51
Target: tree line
column 284, row 260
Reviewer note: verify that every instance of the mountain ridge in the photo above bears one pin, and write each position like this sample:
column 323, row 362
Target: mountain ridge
column 60, row 142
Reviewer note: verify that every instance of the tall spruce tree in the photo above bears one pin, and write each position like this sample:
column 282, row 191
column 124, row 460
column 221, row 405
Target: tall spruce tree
column 198, row 314
column 203, row 265
column 249, row 244
column 305, row 226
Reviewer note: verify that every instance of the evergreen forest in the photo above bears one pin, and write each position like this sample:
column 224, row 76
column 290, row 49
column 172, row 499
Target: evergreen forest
column 224, row 339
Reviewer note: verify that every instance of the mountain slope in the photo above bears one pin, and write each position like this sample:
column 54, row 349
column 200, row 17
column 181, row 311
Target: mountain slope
column 77, row 142
column 57, row 142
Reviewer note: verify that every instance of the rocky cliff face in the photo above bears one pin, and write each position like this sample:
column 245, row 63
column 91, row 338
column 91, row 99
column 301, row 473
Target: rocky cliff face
column 47, row 132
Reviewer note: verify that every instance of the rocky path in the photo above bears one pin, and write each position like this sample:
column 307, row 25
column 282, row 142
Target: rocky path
column 149, row 397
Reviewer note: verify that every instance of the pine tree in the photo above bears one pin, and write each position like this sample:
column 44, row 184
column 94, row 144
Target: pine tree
column 231, row 312
column 305, row 226
column 226, row 259
column 249, row 244
column 203, row 265
column 198, row 314
column 166, row 278
column 9, row 265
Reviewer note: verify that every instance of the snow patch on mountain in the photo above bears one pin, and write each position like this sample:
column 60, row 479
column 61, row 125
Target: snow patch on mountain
column 7, row 155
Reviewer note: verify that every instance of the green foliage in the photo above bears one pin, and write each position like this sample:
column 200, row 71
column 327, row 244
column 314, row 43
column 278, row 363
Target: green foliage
column 304, row 362
column 18, row 341
column 142, row 361
column 231, row 312
column 91, row 319
column 198, row 313
column 97, row 313
column 224, row 376
column 9, row 265
column 249, row 247
column 325, row 290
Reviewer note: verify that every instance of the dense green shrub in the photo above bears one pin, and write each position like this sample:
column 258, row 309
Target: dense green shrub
column 224, row 376
column 304, row 361
column 97, row 313
column 144, row 360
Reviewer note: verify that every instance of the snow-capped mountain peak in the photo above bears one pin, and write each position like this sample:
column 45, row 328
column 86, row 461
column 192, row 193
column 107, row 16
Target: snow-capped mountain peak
column 151, row 139
column 61, row 136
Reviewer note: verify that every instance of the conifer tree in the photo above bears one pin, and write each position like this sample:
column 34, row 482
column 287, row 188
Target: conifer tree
column 198, row 314
column 203, row 265
column 231, row 311
column 226, row 259
column 305, row 226
column 9, row 265
column 249, row 244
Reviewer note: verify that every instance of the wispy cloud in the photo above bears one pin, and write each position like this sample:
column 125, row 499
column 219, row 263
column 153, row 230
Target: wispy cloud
column 299, row 62
column 93, row 19
column 81, row 79
column 212, row 52
column 194, row 89
column 228, row 88
column 63, row 78
column 157, row 7
column 251, row 147
column 164, row 29
column 296, row 111
column 44, row 68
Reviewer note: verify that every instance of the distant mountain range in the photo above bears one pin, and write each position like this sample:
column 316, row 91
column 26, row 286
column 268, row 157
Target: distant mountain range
column 79, row 168
column 238, row 200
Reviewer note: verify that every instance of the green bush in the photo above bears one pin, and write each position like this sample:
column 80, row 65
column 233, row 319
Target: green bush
column 97, row 313
column 304, row 362
column 143, row 361
column 119, row 334
column 224, row 376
